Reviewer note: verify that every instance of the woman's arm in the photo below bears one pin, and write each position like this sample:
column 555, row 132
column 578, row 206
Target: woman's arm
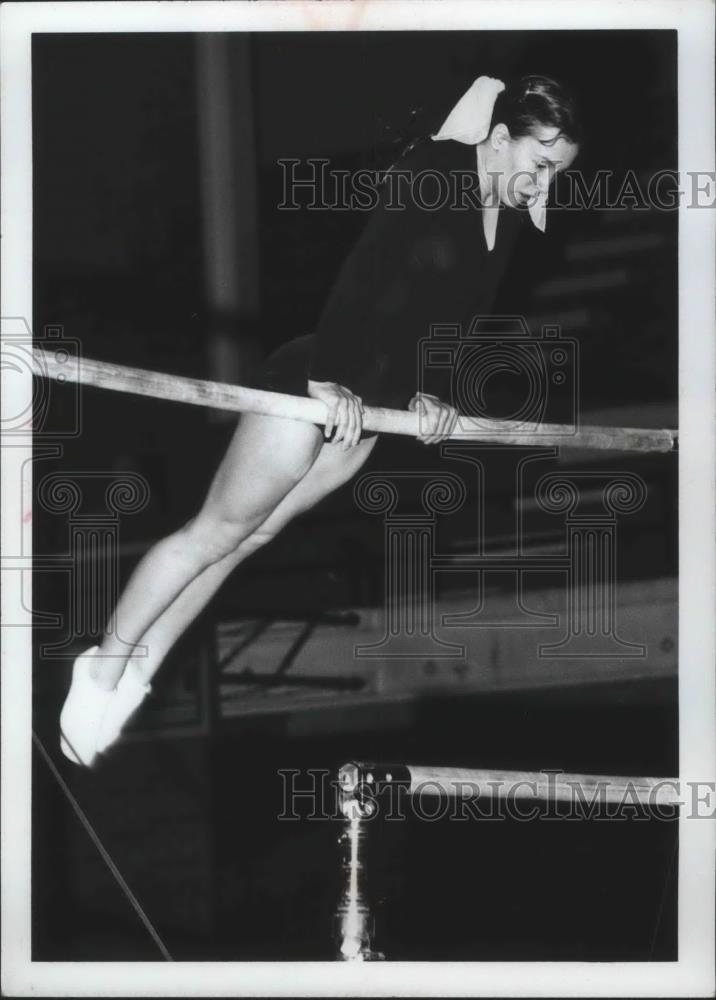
column 345, row 412
column 437, row 418
column 406, row 272
column 367, row 307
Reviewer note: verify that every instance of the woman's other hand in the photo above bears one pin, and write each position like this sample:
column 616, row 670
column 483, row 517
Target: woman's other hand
column 437, row 419
column 345, row 412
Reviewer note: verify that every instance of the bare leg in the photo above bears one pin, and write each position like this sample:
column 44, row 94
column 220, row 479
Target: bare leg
column 266, row 459
column 332, row 468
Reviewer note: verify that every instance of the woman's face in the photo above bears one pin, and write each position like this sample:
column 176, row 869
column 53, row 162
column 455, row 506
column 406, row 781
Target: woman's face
column 524, row 168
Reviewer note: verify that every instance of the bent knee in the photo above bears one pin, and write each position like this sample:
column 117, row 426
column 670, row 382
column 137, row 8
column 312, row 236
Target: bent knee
column 258, row 538
column 213, row 538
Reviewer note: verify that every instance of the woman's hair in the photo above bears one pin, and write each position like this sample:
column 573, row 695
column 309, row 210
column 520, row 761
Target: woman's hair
column 531, row 101
column 523, row 106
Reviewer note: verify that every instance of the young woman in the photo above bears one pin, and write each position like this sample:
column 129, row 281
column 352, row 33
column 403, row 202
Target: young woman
column 423, row 258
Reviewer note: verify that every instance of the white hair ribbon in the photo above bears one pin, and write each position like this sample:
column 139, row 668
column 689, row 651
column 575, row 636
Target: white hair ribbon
column 469, row 123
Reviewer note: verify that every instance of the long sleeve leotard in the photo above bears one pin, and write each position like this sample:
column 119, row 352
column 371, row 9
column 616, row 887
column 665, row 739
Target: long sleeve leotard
column 412, row 267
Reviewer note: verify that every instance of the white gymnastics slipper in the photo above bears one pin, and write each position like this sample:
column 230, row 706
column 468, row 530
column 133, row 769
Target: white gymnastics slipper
column 128, row 696
column 82, row 712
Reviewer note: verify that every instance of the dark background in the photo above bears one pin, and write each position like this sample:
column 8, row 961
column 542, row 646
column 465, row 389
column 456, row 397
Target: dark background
column 120, row 263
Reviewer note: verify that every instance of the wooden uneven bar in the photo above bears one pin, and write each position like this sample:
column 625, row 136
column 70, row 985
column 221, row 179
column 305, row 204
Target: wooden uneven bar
column 550, row 786
column 463, row 782
column 174, row 388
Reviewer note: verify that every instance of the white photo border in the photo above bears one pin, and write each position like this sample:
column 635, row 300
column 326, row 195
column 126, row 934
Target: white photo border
column 693, row 973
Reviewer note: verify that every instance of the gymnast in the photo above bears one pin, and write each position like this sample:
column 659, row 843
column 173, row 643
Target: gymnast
column 410, row 268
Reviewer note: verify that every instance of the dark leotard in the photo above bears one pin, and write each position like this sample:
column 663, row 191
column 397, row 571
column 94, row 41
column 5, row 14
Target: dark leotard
column 411, row 268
